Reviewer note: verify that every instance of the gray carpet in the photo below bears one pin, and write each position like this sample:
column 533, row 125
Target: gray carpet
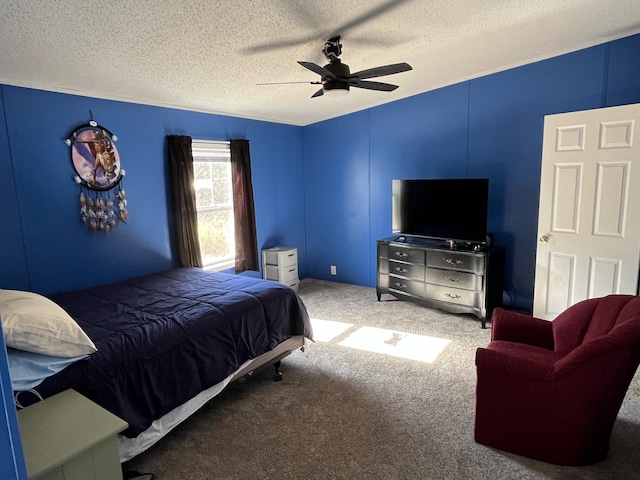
column 343, row 412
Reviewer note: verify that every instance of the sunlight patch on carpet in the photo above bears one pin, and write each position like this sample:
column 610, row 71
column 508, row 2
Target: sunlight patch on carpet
column 327, row 330
column 421, row 348
column 398, row 344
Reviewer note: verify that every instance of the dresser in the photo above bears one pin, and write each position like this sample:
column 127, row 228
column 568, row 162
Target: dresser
column 68, row 437
column 281, row 265
column 455, row 280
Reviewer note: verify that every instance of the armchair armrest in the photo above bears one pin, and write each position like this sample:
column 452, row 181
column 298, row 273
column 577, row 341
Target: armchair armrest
column 514, row 365
column 518, row 327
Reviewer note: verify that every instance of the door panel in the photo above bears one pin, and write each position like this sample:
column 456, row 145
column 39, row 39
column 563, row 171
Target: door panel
column 604, row 276
column 561, row 274
column 566, row 198
column 589, row 216
column 611, row 199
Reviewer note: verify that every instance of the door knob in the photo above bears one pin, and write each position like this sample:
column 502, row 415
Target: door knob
column 544, row 239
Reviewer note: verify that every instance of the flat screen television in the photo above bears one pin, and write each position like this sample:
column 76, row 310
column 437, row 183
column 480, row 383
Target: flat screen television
column 454, row 210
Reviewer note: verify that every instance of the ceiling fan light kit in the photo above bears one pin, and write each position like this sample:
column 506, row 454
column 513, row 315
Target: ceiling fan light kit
column 335, row 89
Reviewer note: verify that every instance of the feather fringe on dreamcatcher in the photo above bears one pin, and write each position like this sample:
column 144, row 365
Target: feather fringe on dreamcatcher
column 103, row 210
column 103, row 201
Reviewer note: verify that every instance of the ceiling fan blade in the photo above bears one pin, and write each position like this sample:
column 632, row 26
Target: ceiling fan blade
column 384, row 70
column 383, row 87
column 323, row 72
column 287, row 83
column 279, row 44
column 304, row 14
column 319, row 93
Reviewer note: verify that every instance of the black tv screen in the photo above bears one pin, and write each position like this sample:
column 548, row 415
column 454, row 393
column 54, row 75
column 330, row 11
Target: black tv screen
column 446, row 209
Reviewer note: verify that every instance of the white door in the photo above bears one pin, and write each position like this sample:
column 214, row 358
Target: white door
column 589, row 217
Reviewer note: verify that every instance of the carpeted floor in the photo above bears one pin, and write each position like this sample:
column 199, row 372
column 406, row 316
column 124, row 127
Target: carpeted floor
column 346, row 412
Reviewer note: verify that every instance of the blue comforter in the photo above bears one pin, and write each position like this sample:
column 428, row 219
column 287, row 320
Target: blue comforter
column 163, row 338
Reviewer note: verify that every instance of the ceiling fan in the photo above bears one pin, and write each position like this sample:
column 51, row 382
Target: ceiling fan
column 336, row 78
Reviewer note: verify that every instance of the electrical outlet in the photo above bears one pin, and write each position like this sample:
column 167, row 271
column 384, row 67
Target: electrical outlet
column 333, row 269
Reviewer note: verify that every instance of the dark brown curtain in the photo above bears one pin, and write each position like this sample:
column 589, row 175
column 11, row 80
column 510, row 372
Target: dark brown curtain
column 243, row 208
column 183, row 198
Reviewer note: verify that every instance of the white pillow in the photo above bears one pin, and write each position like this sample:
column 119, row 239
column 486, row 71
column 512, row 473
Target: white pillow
column 34, row 323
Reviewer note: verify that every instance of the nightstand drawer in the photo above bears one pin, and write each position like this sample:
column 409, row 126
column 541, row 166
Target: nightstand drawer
column 453, row 278
column 280, row 256
column 294, row 284
column 456, row 261
column 281, row 274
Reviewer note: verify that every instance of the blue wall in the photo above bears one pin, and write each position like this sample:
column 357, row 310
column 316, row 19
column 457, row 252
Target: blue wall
column 45, row 248
column 488, row 127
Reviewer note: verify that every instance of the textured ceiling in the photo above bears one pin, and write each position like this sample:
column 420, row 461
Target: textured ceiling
column 207, row 55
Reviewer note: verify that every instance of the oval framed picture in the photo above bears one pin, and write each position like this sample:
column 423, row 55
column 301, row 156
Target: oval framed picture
column 95, row 157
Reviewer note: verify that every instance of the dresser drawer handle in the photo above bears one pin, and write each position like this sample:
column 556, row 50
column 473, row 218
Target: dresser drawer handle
column 452, row 295
column 400, row 285
column 402, row 254
column 292, row 270
column 452, row 279
column 451, row 261
column 401, row 270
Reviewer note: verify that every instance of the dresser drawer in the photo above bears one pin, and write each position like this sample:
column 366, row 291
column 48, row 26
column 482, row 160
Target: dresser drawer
column 456, row 261
column 407, row 286
column 408, row 270
column 409, row 255
column 455, row 295
column 453, row 278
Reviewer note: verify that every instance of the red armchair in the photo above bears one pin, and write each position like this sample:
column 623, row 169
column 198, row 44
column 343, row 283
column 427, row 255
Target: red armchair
column 551, row 391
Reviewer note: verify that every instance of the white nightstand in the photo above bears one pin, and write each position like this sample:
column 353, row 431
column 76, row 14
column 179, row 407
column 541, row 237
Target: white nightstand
column 68, row 437
column 281, row 264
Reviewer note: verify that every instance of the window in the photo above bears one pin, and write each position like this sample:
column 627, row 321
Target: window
column 214, row 203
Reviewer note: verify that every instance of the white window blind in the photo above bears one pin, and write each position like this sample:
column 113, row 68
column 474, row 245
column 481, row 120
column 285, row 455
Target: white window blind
column 214, row 203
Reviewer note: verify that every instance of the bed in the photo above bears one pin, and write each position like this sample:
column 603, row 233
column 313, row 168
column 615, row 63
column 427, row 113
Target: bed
column 168, row 342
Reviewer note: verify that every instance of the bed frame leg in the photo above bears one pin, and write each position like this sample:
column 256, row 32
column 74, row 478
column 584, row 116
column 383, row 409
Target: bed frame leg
column 278, row 375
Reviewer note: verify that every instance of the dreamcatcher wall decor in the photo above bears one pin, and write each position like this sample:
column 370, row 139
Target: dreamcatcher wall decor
column 95, row 158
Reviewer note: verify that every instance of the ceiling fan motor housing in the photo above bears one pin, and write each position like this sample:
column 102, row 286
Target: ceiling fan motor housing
column 342, row 73
column 338, row 68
